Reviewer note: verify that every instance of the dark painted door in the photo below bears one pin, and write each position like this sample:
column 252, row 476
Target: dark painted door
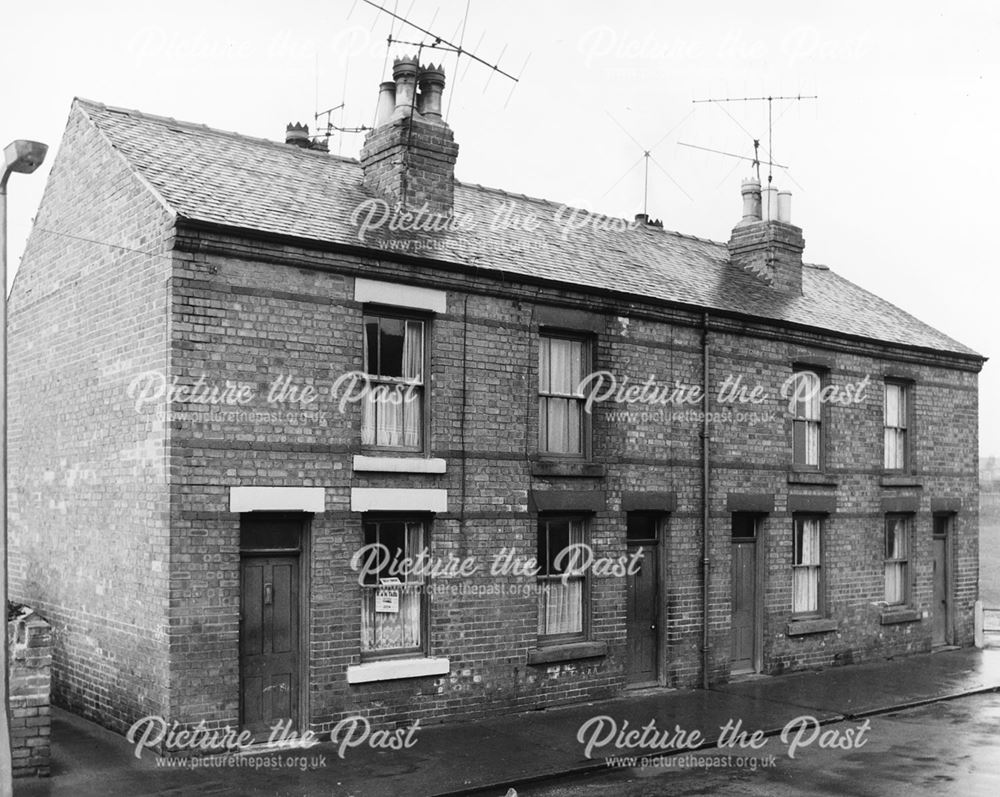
column 642, row 615
column 269, row 642
column 940, row 616
column 743, row 589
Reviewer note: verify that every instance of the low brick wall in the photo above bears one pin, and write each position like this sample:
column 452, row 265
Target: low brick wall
column 30, row 639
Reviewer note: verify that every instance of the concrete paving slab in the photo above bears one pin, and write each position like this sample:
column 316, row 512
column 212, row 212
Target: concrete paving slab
column 506, row 750
column 863, row 689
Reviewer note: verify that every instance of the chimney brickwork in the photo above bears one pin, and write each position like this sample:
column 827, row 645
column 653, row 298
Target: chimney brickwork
column 770, row 249
column 409, row 158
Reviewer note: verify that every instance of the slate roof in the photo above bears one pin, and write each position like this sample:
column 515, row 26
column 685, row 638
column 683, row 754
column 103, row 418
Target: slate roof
column 219, row 177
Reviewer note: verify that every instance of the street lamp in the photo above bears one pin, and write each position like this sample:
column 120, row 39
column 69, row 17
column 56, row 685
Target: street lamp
column 24, row 157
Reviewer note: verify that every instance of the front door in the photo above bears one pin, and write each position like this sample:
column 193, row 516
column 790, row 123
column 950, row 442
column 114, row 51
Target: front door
column 940, row 631
column 269, row 624
column 642, row 611
column 743, row 639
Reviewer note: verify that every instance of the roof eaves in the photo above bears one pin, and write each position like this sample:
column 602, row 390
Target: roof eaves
column 339, row 247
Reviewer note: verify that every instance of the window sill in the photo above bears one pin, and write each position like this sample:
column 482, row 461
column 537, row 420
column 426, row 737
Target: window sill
column 819, row 625
column 399, row 464
column 900, row 480
column 811, row 477
column 567, row 652
column 396, row 669
column 899, row 615
column 556, row 467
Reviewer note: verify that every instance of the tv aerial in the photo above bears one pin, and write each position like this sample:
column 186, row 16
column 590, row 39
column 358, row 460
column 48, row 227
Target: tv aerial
column 755, row 160
column 444, row 45
column 646, row 157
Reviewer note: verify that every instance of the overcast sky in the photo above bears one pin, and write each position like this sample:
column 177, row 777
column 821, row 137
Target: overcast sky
column 894, row 167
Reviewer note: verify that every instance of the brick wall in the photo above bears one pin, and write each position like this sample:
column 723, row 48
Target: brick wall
column 30, row 664
column 264, row 311
column 88, row 496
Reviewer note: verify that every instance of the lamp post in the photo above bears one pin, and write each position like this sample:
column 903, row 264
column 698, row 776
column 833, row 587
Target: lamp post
column 24, row 157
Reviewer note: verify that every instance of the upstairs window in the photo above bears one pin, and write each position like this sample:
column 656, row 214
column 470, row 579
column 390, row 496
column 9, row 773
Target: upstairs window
column 393, row 407
column 561, row 420
column 806, row 420
column 897, row 400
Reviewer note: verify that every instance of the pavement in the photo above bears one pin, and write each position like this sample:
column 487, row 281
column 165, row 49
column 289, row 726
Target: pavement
column 490, row 756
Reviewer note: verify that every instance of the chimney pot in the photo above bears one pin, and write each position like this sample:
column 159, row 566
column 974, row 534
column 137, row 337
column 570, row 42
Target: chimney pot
column 785, row 206
column 297, row 135
column 404, row 72
column 769, row 203
column 431, row 87
column 386, row 102
column 751, row 201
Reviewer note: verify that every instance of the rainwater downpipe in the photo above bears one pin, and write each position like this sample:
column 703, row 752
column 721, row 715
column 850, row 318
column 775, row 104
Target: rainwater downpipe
column 705, row 649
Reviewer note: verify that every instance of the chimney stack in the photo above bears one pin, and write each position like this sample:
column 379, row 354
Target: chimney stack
column 409, row 158
column 765, row 243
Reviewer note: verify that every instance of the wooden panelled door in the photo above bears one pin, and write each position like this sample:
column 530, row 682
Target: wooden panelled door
column 642, row 608
column 269, row 621
column 940, row 628
column 744, row 639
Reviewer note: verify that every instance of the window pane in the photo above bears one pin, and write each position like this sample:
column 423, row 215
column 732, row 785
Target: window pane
column 561, row 366
column 799, row 442
column 812, row 443
column 576, row 367
column 895, row 538
column 557, row 423
column 640, row 526
column 574, row 422
column 744, row 525
column 413, row 413
column 895, row 582
column 544, row 359
column 893, row 404
column 805, row 589
column 371, row 345
column 560, row 609
column 391, row 347
column 554, row 535
column 413, row 352
column 389, row 417
column 806, row 542
column 391, row 630
column 811, row 401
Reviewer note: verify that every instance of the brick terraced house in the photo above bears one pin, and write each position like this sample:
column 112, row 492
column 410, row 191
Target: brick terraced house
column 238, row 368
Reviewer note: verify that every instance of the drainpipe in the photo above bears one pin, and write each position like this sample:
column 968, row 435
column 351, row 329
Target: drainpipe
column 705, row 649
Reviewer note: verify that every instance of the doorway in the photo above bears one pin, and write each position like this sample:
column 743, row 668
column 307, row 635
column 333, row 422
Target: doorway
column 270, row 623
column 941, row 615
column 642, row 602
column 745, row 630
